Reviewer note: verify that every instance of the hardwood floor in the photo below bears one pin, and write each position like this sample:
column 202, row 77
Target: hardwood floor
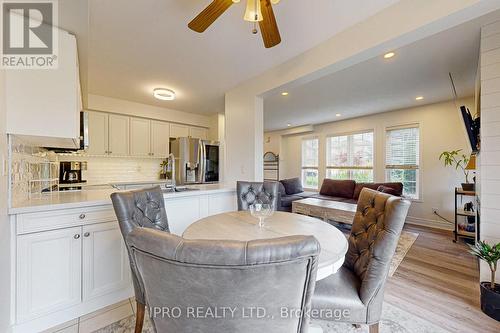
column 439, row 281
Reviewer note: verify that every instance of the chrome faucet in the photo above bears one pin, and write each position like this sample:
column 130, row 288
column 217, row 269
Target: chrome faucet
column 171, row 166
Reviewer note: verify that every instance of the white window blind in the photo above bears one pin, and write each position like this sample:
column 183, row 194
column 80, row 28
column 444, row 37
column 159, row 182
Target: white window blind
column 402, row 158
column 310, row 163
column 350, row 157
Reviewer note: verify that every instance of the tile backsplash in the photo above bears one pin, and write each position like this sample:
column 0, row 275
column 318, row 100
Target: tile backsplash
column 104, row 170
column 33, row 169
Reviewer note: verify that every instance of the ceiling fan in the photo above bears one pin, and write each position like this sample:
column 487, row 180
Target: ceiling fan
column 257, row 11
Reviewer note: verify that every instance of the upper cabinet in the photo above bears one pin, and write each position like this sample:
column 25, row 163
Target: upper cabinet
column 179, row 131
column 198, row 132
column 140, row 137
column 44, row 104
column 149, row 137
column 118, row 135
column 98, row 133
column 160, row 136
column 183, row 131
column 108, row 134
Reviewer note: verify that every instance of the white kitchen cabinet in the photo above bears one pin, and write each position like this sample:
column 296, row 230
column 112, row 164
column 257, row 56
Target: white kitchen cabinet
column 44, row 104
column 105, row 260
column 98, row 133
column 118, row 135
column 198, row 132
column 48, row 272
column 160, row 136
column 182, row 212
column 179, row 131
column 222, row 203
column 140, row 137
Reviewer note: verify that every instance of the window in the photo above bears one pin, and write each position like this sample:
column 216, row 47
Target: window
column 310, row 153
column 350, row 157
column 402, row 158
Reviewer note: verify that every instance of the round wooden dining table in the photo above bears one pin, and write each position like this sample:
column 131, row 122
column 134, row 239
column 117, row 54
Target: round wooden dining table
column 241, row 226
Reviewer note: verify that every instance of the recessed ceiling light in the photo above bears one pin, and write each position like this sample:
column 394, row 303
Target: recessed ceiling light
column 389, row 55
column 338, row 115
column 419, row 98
column 284, row 93
column 289, row 125
column 164, row 94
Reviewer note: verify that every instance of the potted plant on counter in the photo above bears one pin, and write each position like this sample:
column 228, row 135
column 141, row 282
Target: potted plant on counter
column 459, row 161
column 490, row 291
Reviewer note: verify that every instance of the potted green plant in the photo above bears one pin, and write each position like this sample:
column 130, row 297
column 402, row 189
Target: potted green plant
column 490, row 291
column 456, row 159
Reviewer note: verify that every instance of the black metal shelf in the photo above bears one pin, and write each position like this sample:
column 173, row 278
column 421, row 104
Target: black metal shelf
column 461, row 213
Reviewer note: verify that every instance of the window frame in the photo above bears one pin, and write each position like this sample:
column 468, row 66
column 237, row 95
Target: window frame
column 352, row 133
column 302, row 167
column 419, row 167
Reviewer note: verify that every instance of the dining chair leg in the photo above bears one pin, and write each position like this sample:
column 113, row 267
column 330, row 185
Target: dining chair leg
column 139, row 317
column 374, row 328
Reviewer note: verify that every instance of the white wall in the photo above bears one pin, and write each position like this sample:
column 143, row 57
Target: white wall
column 4, row 222
column 441, row 129
column 103, row 103
column 489, row 189
column 396, row 26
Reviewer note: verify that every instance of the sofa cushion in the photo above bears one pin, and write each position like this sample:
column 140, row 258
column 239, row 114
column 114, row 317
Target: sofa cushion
column 338, row 188
column 292, row 185
column 305, row 195
column 281, row 189
column 286, row 201
column 388, row 190
column 374, row 186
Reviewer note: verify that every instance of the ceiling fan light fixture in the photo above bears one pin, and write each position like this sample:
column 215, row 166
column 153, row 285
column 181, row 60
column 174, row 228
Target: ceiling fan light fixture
column 164, row 94
column 253, row 13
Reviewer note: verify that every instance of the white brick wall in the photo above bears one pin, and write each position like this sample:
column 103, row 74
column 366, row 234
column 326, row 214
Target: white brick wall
column 490, row 137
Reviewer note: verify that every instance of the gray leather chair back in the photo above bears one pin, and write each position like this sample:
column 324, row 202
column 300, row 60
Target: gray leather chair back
column 374, row 237
column 185, row 274
column 139, row 209
column 250, row 193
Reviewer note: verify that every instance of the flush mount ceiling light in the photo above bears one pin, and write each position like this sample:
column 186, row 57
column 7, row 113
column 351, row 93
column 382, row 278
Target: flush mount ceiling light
column 419, row 98
column 258, row 12
column 164, row 94
column 284, row 93
column 389, row 55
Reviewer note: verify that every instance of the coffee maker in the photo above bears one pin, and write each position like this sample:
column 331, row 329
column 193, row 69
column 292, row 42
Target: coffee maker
column 70, row 175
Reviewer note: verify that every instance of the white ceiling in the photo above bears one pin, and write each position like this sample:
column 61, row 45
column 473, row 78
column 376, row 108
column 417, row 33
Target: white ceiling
column 135, row 46
column 380, row 85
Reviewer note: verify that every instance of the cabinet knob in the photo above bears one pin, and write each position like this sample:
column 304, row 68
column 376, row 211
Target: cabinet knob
column 76, row 236
column 82, row 216
column 87, row 234
column 110, row 152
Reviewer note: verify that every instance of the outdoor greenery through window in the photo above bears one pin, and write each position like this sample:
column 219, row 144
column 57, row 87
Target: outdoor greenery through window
column 350, row 157
column 402, row 158
column 310, row 162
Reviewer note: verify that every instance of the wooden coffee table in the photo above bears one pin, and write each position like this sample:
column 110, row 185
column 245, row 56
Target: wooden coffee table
column 340, row 212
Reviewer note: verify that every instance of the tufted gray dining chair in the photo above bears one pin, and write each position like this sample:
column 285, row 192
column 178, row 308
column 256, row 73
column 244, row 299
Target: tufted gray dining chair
column 252, row 192
column 358, row 287
column 139, row 209
column 179, row 275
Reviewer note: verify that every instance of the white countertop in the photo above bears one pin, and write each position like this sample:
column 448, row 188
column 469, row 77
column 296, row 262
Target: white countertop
column 99, row 197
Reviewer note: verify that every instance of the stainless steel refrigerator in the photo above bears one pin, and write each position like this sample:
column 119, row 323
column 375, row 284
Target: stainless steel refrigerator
column 196, row 161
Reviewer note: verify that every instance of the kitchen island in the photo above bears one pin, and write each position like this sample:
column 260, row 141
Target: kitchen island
column 68, row 257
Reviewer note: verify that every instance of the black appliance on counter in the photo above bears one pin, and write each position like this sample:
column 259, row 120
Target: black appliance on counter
column 70, row 175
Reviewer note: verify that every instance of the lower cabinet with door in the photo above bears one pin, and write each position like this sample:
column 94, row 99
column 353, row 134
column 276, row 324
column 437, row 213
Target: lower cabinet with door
column 70, row 262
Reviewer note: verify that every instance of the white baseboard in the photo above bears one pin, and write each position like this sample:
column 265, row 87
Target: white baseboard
column 429, row 223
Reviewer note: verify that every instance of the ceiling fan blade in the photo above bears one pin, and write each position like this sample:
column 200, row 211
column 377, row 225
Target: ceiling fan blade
column 268, row 26
column 208, row 16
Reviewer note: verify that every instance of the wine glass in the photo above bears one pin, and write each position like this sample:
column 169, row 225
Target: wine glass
column 261, row 211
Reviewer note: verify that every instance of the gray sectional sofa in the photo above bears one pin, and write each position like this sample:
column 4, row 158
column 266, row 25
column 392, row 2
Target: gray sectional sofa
column 291, row 190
